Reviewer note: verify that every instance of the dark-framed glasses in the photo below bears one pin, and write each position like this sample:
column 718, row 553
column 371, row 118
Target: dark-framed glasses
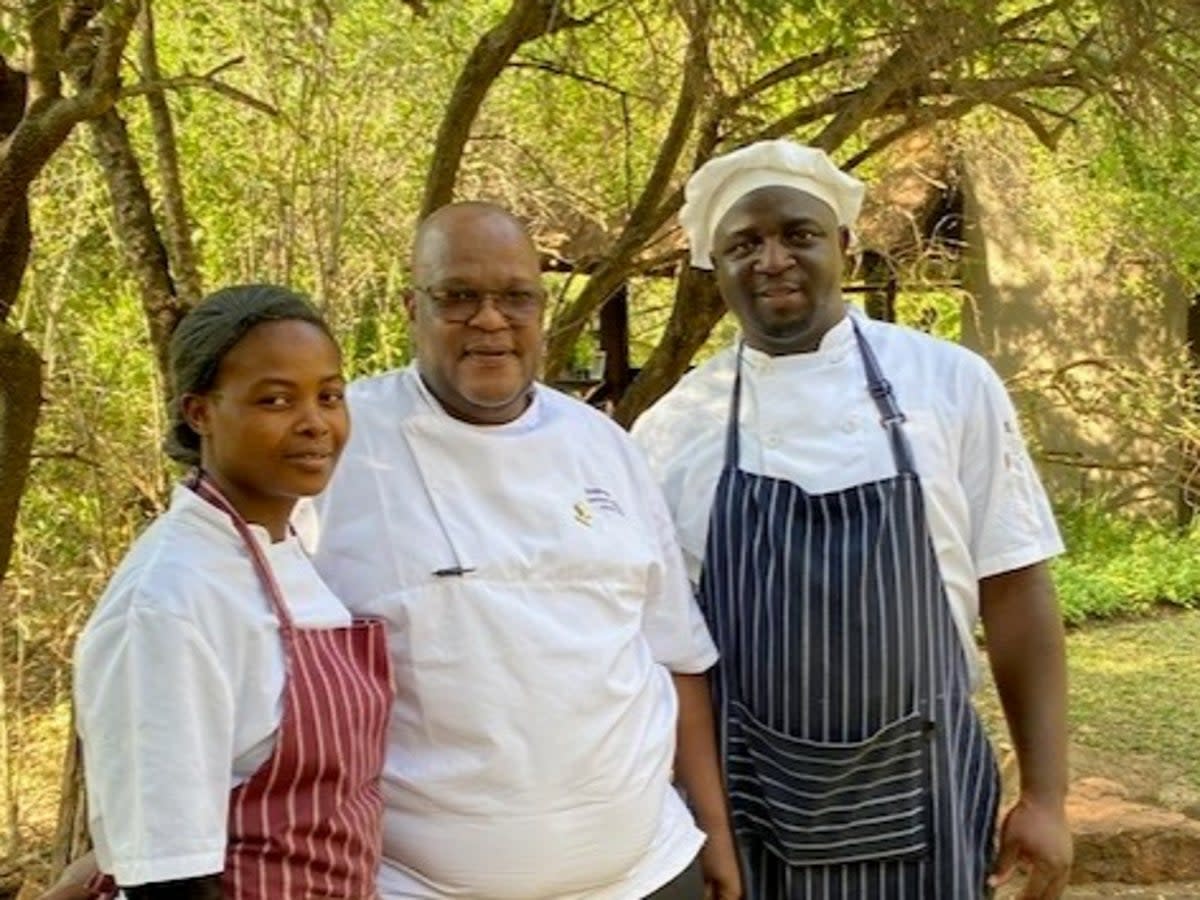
column 517, row 305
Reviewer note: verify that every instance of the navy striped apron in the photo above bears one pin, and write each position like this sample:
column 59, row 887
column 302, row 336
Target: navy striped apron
column 855, row 762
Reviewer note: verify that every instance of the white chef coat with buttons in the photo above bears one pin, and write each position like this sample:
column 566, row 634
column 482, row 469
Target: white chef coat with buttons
column 808, row 418
column 179, row 679
column 537, row 604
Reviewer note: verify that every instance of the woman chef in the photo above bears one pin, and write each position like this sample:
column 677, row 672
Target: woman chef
column 231, row 711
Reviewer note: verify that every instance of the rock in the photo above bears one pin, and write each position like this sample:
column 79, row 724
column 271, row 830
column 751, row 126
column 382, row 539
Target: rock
column 1119, row 840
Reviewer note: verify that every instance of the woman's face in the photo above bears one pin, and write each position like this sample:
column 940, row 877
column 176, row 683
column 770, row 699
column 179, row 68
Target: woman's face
column 274, row 422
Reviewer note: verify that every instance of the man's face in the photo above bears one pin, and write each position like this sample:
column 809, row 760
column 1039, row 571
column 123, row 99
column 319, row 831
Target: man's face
column 778, row 258
column 481, row 368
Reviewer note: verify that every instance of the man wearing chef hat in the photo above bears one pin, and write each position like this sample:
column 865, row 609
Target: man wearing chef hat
column 549, row 652
column 852, row 499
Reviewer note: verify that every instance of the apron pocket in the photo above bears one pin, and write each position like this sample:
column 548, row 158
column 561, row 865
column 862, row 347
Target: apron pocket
column 813, row 803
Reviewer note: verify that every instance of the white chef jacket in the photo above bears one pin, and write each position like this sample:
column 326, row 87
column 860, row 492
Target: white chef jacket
column 179, row 678
column 533, row 731
column 809, row 419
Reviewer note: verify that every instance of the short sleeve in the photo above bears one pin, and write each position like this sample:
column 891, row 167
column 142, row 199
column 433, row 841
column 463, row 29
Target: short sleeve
column 1012, row 525
column 673, row 624
column 155, row 714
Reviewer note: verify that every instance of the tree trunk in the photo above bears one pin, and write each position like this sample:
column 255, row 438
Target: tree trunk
column 71, row 840
column 133, row 213
column 14, row 214
column 20, row 366
column 20, row 402
column 650, row 212
column 524, row 21
column 180, row 249
column 696, row 310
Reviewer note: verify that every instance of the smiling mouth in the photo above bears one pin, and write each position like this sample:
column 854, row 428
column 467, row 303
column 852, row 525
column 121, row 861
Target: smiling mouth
column 779, row 290
column 488, row 355
column 316, row 459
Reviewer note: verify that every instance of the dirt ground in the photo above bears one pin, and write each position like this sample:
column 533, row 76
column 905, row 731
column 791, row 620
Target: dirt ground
column 1098, row 891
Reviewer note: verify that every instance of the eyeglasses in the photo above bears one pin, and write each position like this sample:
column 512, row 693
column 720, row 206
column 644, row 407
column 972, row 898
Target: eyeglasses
column 460, row 305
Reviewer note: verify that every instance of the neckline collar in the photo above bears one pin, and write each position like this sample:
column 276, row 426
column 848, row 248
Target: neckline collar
column 833, row 348
column 528, row 418
column 191, row 501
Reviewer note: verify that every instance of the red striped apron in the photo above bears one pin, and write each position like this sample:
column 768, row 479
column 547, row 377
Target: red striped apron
column 307, row 822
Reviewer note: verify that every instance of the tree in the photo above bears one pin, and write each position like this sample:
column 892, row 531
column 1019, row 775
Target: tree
column 86, row 40
column 857, row 78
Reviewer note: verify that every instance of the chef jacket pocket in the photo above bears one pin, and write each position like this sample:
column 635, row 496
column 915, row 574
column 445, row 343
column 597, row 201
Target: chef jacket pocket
column 815, row 803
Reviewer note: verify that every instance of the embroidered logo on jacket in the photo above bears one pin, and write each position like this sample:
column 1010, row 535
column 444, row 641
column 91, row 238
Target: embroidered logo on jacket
column 603, row 500
column 595, row 500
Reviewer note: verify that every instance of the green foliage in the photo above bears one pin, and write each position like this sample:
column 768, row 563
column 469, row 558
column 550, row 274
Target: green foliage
column 1119, row 566
column 937, row 311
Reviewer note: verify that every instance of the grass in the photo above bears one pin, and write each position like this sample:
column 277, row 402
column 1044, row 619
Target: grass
column 1135, row 692
column 1134, row 706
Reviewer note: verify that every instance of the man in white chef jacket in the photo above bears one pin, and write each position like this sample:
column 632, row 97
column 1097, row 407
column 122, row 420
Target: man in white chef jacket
column 853, row 499
column 547, row 645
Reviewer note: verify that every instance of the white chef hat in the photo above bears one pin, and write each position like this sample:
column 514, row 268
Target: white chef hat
column 723, row 180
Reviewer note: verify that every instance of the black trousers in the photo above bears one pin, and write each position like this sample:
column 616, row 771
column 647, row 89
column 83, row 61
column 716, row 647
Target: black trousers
column 687, row 885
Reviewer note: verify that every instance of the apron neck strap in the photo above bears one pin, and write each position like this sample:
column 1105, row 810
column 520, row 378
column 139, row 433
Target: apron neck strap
column 890, row 415
column 203, row 485
column 878, row 387
column 732, row 448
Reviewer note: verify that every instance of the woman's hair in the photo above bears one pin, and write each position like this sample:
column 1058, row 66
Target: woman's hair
column 207, row 333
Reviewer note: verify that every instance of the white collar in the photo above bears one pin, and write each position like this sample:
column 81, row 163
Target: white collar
column 192, row 503
column 833, row 348
column 526, row 421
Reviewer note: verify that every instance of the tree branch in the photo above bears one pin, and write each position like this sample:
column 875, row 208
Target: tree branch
column 922, row 117
column 178, row 226
column 116, row 21
column 792, row 69
column 1020, row 110
column 797, row 118
column 524, row 21
column 133, row 214
column 205, row 82
column 45, row 66
column 647, row 213
column 1029, row 16
column 555, row 69
column 47, row 123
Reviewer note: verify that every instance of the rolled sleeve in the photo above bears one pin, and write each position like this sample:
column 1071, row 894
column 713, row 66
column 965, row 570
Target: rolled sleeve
column 155, row 714
column 1012, row 524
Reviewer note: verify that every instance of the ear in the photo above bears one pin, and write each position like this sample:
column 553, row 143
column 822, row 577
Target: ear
column 410, row 304
column 844, row 239
column 196, row 411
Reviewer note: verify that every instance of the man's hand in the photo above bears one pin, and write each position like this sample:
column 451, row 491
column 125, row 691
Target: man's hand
column 699, row 772
column 1035, row 838
column 1026, row 648
column 719, row 866
column 72, row 883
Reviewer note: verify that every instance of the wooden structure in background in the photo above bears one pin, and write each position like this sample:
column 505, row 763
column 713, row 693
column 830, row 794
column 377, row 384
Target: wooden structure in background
column 605, row 390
